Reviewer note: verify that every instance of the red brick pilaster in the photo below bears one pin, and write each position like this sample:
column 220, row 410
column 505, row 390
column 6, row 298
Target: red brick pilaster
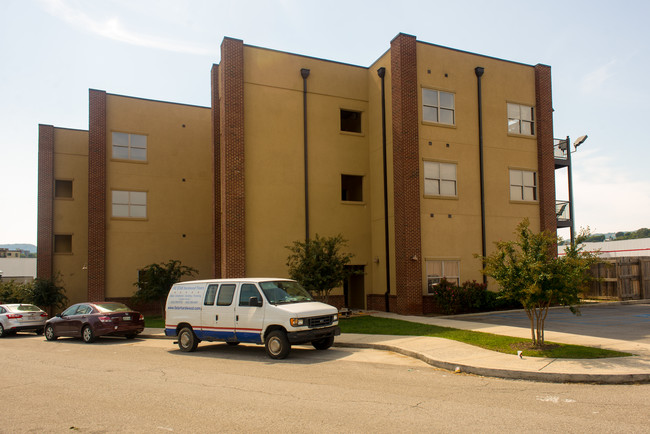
column 233, row 207
column 216, row 173
column 45, row 237
column 97, row 195
column 406, row 175
column 545, row 157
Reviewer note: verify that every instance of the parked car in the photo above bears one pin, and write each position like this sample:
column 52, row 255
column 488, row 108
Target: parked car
column 91, row 320
column 21, row 317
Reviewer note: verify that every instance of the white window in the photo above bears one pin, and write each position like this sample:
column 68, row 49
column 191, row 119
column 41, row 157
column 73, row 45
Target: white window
column 523, row 185
column 521, row 119
column 438, row 106
column 129, row 146
column 129, row 204
column 439, row 179
column 437, row 270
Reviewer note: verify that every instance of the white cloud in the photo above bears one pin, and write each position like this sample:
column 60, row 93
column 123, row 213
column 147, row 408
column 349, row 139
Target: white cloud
column 609, row 198
column 112, row 28
column 594, row 81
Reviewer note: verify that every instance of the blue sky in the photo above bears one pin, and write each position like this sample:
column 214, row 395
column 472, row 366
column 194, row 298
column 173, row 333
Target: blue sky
column 53, row 51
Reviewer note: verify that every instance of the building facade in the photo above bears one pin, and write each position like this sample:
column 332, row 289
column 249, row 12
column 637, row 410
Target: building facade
column 421, row 160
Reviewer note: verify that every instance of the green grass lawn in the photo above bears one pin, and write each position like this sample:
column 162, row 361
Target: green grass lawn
column 503, row 344
column 154, row 322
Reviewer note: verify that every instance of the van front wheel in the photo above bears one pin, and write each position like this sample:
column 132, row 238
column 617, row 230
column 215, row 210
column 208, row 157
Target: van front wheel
column 277, row 345
column 323, row 344
column 187, row 340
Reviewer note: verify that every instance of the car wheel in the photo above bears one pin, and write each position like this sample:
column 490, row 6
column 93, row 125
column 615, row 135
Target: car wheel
column 323, row 344
column 232, row 344
column 187, row 340
column 39, row 332
column 131, row 336
column 49, row 333
column 2, row 332
column 88, row 335
column 277, row 345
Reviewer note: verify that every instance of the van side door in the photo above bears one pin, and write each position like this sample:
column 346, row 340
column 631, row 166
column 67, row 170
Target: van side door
column 249, row 320
column 218, row 313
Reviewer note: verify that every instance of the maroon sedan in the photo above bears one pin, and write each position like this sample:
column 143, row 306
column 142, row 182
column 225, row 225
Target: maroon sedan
column 90, row 320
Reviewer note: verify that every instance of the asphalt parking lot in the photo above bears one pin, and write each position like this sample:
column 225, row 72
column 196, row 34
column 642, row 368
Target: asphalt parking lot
column 612, row 321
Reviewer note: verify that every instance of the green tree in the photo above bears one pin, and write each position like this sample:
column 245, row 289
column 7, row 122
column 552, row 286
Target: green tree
column 157, row 279
column 529, row 271
column 14, row 292
column 319, row 265
column 48, row 294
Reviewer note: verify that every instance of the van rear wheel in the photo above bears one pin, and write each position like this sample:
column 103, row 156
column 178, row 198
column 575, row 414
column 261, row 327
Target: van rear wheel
column 187, row 340
column 277, row 345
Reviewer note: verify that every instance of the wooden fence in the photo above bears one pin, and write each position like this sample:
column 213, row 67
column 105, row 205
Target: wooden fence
column 626, row 278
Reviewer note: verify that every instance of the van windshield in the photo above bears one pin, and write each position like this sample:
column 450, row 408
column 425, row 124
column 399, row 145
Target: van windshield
column 284, row 291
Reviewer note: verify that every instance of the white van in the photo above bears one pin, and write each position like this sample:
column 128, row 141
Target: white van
column 269, row 311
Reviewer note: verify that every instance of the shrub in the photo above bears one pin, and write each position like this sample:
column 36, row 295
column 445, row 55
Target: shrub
column 470, row 297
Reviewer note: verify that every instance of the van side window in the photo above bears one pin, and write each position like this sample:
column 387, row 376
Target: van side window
column 210, row 295
column 248, row 290
column 226, row 294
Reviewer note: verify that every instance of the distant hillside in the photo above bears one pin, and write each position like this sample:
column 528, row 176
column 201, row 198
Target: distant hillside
column 640, row 233
column 29, row 247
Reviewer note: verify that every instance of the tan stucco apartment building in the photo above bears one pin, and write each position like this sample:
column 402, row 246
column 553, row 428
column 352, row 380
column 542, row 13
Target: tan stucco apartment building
column 421, row 160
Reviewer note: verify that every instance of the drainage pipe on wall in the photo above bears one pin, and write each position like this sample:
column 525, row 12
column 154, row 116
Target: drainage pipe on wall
column 382, row 73
column 479, row 73
column 305, row 73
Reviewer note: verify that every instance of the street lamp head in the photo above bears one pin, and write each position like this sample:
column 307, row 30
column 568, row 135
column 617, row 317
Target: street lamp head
column 579, row 141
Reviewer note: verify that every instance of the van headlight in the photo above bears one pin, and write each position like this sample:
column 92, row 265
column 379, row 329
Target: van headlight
column 335, row 317
column 297, row 322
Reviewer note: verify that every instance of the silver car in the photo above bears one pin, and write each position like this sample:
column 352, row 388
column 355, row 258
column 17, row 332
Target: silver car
column 21, row 317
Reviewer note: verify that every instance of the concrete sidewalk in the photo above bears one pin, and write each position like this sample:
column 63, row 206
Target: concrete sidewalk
column 460, row 357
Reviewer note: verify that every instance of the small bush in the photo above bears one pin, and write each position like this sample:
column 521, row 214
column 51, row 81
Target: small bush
column 13, row 292
column 470, row 297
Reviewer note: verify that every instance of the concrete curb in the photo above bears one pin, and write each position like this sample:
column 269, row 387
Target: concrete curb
column 545, row 377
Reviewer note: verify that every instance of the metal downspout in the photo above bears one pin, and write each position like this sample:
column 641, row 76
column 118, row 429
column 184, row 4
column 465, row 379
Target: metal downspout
column 382, row 73
column 479, row 73
column 305, row 73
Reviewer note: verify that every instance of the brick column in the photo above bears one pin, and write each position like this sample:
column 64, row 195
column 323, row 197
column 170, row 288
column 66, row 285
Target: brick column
column 45, row 237
column 216, row 173
column 97, row 196
column 545, row 157
column 406, row 175
column 233, row 206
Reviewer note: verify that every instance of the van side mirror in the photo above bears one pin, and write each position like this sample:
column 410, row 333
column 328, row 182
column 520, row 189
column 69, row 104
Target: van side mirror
column 253, row 301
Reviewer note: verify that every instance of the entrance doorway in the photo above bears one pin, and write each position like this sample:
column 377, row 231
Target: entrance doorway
column 354, row 290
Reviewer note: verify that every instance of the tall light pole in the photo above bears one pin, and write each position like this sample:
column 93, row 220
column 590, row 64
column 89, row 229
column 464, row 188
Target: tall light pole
column 579, row 141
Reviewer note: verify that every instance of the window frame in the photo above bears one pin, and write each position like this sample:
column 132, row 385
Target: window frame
column 522, row 187
column 520, row 120
column 440, row 179
column 358, row 112
column 129, row 147
column 57, row 190
column 443, row 274
column 360, row 179
column 130, row 205
column 438, row 107
column 54, row 244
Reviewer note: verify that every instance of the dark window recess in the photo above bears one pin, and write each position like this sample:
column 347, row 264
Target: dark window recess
column 352, row 188
column 350, row 121
column 62, row 188
column 62, row 243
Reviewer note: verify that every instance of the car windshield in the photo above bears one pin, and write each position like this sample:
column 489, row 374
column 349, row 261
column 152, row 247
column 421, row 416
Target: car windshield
column 26, row 308
column 284, row 291
column 112, row 307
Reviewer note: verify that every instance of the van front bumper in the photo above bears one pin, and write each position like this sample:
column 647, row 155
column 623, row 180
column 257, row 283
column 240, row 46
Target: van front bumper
column 305, row 336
